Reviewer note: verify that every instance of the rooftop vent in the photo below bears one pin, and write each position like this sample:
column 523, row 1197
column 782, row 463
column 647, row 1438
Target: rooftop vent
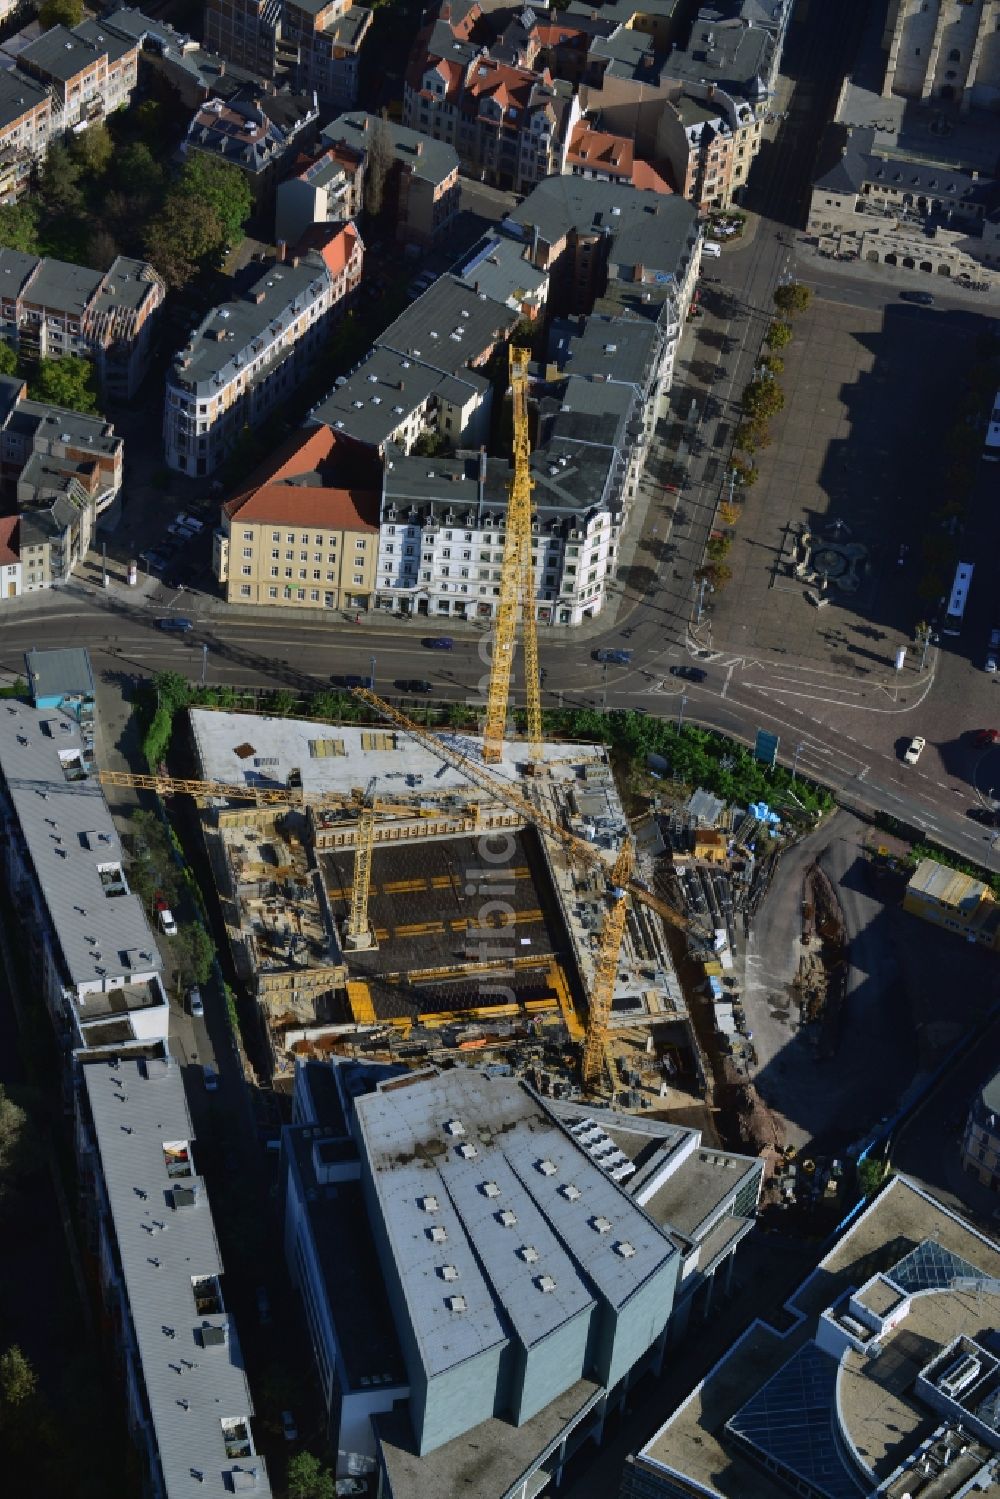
column 545, row 1284
column 429, row 1204
column 547, row 1167
column 602, row 1225
column 490, row 1189
column 625, row 1249
column 468, row 1152
column 529, row 1254
column 455, row 1127
column 570, row 1192
column 437, row 1234
column 448, row 1272
column 507, row 1217
column 456, row 1303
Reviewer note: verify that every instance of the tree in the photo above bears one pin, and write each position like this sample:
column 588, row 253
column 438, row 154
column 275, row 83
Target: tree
column 377, row 167
column 871, row 1175
column 20, row 1152
column 93, row 149
column 137, row 171
column 773, row 364
column 60, row 13
column 792, row 298
column 197, row 953
column 308, row 1479
column 18, row 1381
column 762, row 398
column 222, row 188
column 60, row 182
column 745, row 472
column 180, row 237
column 19, row 227
column 430, row 444
column 778, row 334
column 8, row 360
column 103, row 249
column 67, row 382
column 751, row 435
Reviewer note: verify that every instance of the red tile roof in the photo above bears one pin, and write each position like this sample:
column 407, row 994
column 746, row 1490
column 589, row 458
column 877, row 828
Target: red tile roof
column 9, row 540
column 275, row 498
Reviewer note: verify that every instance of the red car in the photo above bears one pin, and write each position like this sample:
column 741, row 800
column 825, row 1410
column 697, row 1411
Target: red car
column 986, row 736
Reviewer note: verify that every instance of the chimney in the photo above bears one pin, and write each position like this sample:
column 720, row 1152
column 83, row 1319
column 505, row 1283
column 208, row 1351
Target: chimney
column 222, row 68
column 282, row 250
column 710, row 92
column 420, row 148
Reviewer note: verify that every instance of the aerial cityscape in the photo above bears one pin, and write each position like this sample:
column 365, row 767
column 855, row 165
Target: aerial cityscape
column 499, row 792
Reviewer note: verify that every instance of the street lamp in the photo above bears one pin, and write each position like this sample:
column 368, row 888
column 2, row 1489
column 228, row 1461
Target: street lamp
column 795, row 758
column 680, row 716
column 204, row 663
column 371, row 677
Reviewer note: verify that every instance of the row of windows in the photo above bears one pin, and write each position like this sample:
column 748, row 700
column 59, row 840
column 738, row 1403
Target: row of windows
column 317, row 540
column 246, row 571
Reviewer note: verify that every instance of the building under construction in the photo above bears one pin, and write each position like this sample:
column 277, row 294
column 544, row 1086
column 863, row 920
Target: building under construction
column 475, row 927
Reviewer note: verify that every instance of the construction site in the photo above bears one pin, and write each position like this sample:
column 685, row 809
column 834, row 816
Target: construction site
column 397, row 890
column 376, row 897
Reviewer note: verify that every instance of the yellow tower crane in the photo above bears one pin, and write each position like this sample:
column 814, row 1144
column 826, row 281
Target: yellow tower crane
column 621, row 883
column 358, row 933
column 517, row 587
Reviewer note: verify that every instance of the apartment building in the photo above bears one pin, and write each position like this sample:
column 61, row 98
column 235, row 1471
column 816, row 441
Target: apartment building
column 25, row 129
column 256, row 133
column 89, row 71
column 320, row 45
column 88, row 945
column 601, row 156
column 709, row 139
column 537, row 1285
column 327, row 188
column 298, row 538
column 148, row 1229
column 735, row 45
column 60, row 470
column 49, row 308
column 312, row 45
column 981, row 1137
column 510, row 126
column 421, row 189
column 247, row 355
column 423, row 374
column 10, row 557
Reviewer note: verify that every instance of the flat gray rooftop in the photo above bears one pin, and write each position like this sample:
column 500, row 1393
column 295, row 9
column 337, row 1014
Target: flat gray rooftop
column 102, row 934
column 426, row 158
column 645, row 228
column 499, row 267
column 436, row 1145
column 144, row 1138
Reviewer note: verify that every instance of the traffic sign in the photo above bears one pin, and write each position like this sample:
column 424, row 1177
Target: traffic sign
column 766, row 749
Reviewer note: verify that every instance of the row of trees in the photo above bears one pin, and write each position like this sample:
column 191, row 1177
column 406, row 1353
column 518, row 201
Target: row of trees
column 105, row 192
column 69, row 382
column 762, row 399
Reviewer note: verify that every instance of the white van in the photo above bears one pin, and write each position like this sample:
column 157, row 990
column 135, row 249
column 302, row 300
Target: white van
column 711, row 248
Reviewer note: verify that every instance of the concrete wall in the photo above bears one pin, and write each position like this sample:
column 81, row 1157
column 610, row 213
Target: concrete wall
column 453, row 1402
column 623, row 1337
column 543, row 1371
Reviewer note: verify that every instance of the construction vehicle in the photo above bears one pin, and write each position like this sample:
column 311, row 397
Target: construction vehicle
column 621, row 883
column 517, row 588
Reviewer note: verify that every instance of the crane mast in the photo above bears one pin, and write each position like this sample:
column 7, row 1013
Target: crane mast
column 517, row 585
column 358, row 932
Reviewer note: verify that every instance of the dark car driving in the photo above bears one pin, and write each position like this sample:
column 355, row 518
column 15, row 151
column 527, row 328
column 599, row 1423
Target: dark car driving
column 175, row 622
column 349, row 681
column 439, row 642
column 617, row 658
column 415, row 684
column 689, row 673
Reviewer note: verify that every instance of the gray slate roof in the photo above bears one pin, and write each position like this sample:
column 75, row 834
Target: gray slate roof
column 58, row 673
column 68, row 831
column 645, row 228
column 731, row 52
column 60, row 53
column 138, row 1108
column 18, row 94
column 433, row 161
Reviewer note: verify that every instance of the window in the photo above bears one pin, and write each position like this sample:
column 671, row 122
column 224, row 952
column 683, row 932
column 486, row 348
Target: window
column 244, row 590
column 290, row 537
column 274, row 572
column 360, row 544
column 317, row 556
column 272, row 593
column 303, row 556
column 274, row 554
column 248, row 551
column 248, row 536
column 246, row 570
column 289, row 556
column 288, row 572
column 358, row 579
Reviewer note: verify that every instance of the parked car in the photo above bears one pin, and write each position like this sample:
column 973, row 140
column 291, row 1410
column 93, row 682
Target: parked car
column 167, row 921
column 195, row 1004
column 712, row 249
column 613, row 657
column 914, row 750
column 689, row 673
column 155, row 561
column 415, row 684
column 288, row 1427
column 438, row 642
column 349, row 680
column 211, row 1078
column 189, row 523
column 986, row 736
column 922, row 298
column 990, row 664
column 175, row 623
